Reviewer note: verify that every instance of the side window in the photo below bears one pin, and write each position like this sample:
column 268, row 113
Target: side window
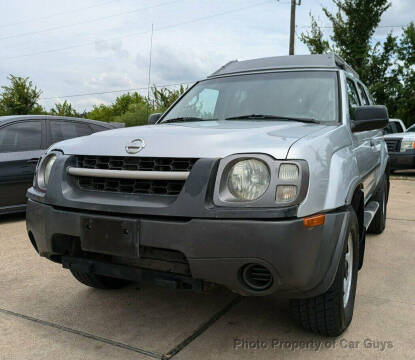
column 63, row 130
column 390, row 129
column 353, row 97
column 399, row 127
column 363, row 94
column 22, row 136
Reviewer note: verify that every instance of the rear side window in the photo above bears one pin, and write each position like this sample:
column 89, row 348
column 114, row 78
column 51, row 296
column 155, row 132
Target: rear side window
column 22, row 136
column 63, row 130
column 363, row 94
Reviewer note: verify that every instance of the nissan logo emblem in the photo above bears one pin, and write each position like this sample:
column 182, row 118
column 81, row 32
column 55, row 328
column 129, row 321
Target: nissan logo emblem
column 135, row 146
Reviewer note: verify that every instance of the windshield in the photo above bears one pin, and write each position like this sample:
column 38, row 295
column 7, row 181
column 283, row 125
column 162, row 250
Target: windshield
column 291, row 95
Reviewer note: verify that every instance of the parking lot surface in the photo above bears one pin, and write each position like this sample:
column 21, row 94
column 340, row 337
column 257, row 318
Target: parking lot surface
column 46, row 314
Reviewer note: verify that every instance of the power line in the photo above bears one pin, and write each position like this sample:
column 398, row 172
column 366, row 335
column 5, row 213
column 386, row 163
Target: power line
column 378, row 27
column 116, row 91
column 141, row 33
column 56, row 14
column 30, row 33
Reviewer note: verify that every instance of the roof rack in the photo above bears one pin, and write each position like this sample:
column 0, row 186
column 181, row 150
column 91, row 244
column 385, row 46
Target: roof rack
column 330, row 60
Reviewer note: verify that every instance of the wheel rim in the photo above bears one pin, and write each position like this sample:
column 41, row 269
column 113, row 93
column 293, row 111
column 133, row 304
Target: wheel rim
column 348, row 270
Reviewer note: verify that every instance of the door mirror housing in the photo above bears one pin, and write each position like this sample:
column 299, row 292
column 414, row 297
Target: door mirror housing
column 370, row 117
column 153, row 118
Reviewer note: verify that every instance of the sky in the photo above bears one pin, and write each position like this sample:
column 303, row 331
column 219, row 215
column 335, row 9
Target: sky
column 79, row 47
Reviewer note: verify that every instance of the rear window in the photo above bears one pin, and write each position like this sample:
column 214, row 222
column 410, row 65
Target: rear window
column 63, row 130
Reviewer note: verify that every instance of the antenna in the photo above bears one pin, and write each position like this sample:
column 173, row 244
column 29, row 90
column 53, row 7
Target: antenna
column 149, row 68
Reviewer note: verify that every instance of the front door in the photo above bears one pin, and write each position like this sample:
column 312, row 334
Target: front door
column 21, row 146
column 366, row 147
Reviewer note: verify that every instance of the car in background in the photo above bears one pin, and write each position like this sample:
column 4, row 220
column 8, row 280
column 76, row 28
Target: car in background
column 394, row 126
column 401, row 148
column 23, row 140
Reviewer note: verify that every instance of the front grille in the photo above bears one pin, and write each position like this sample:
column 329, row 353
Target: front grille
column 394, row 145
column 133, row 186
column 135, row 163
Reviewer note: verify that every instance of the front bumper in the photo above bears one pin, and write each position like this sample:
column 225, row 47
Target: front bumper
column 303, row 261
column 402, row 161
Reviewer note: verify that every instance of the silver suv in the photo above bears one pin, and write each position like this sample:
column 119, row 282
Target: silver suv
column 264, row 178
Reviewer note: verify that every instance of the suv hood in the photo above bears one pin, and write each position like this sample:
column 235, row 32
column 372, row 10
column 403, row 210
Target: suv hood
column 214, row 139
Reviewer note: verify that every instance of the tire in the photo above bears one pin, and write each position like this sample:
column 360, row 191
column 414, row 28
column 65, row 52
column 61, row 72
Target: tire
column 326, row 314
column 98, row 281
column 381, row 196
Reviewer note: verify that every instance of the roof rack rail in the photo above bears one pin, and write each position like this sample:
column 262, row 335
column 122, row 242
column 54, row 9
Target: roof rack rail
column 342, row 64
column 318, row 61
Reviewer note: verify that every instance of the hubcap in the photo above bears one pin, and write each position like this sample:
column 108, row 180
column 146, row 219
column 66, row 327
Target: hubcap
column 348, row 269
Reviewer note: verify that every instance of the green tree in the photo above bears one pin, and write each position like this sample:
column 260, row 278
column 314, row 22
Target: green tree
column 64, row 109
column 164, row 97
column 134, row 109
column 406, row 75
column 20, row 97
column 387, row 67
column 353, row 24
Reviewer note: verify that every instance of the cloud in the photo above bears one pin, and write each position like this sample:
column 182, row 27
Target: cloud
column 119, row 52
column 113, row 47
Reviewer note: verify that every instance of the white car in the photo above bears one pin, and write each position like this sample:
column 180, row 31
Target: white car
column 401, row 148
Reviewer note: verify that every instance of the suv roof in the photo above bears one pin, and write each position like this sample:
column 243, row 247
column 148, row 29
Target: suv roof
column 326, row 61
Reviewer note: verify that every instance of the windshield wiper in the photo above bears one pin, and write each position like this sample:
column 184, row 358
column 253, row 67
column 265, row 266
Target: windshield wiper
column 186, row 118
column 276, row 117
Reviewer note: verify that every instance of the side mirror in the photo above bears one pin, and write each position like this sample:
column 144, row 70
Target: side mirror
column 370, row 117
column 153, row 118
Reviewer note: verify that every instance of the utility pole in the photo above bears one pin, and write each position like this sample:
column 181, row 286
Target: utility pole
column 292, row 25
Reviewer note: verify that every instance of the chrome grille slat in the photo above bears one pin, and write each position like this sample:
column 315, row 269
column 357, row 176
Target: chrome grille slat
column 133, row 175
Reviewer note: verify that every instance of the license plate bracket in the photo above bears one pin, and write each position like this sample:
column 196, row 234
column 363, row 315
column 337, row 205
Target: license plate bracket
column 118, row 237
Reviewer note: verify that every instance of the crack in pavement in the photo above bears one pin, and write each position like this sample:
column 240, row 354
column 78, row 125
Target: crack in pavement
column 176, row 349
column 202, row 328
column 388, row 218
column 84, row 334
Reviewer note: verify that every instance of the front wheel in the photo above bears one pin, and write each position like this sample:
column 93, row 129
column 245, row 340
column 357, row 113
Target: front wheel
column 330, row 313
column 98, row 281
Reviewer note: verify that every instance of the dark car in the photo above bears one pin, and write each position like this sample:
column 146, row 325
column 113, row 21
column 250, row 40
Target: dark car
column 23, row 140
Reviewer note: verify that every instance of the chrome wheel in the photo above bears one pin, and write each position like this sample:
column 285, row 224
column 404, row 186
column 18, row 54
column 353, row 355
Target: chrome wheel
column 348, row 271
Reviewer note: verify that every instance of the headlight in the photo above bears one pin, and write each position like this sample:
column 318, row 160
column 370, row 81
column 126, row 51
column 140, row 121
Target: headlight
column 407, row 145
column 248, row 179
column 44, row 170
column 288, row 172
column 261, row 181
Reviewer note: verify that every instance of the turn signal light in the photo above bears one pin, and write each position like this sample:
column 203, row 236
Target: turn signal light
column 315, row 220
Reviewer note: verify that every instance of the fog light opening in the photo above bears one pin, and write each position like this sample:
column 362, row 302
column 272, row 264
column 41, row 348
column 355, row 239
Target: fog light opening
column 256, row 277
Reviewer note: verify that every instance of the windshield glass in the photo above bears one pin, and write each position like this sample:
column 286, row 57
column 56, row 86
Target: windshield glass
column 302, row 94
